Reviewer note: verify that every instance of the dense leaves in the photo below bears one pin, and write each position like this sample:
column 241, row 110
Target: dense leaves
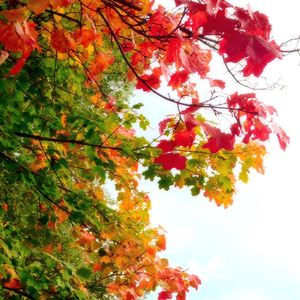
column 74, row 223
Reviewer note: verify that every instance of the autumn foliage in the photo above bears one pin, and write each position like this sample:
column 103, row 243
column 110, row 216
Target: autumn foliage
column 74, row 223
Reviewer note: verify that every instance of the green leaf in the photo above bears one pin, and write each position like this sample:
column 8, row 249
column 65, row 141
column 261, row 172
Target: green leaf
column 84, row 272
column 165, row 182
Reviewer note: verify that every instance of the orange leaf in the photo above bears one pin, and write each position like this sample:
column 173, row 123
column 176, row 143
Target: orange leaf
column 96, row 267
column 38, row 6
column 61, row 41
column 13, row 283
column 161, row 242
column 15, row 15
column 101, row 62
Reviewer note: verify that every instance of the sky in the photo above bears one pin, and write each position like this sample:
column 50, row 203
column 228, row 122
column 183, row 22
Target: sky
column 252, row 249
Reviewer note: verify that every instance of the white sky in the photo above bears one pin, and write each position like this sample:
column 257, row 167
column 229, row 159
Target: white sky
column 250, row 251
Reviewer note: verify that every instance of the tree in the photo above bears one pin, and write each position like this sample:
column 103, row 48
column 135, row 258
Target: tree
column 68, row 69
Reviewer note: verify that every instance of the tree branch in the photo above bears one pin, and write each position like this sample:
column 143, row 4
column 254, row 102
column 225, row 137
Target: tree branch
column 61, row 140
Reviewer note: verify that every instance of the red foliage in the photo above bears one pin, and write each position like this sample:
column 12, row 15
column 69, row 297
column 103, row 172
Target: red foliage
column 13, row 284
column 164, row 295
column 146, row 82
column 220, row 141
column 166, row 146
column 171, row 160
column 178, row 78
column 185, row 138
column 61, row 41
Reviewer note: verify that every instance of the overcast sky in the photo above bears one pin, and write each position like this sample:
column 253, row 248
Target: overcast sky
column 250, row 251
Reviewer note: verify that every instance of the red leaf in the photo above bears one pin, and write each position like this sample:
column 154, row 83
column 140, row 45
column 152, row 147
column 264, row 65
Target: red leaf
column 19, row 64
column 99, row 64
column 260, row 53
column 190, row 122
column 194, row 281
column 256, row 24
column 217, row 83
column 172, row 51
column 161, row 242
column 160, row 23
column 38, row 6
column 193, row 108
column 185, row 138
column 210, row 130
column 127, row 46
column 164, row 295
column 181, row 296
column 96, row 267
column 84, row 36
column 234, row 45
column 13, row 283
column 61, row 41
column 261, row 131
column 166, row 146
column 171, row 160
column 178, row 78
column 282, row 138
column 222, row 140
column 197, row 20
column 146, row 82
column 235, row 129
column 192, row 6
column 163, row 125
column 196, row 60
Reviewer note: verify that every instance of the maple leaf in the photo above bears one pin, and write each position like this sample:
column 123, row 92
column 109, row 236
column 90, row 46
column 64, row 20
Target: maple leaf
column 254, row 23
column 220, row 141
column 166, row 146
column 19, row 37
column 178, row 78
column 234, row 45
column 171, row 160
column 163, row 125
column 97, row 267
column 217, row 83
column 159, row 23
column 195, row 60
column 196, row 20
column 185, row 138
column 127, row 46
column 161, row 242
column 260, row 53
column 164, row 295
column 85, row 36
column 62, row 41
column 13, row 283
column 15, row 15
column 260, row 131
column 193, row 108
column 38, row 6
column 282, row 137
column 172, row 52
column 100, row 63
column 181, row 296
column 194, row 281
column 19, row 64
column 146, row 82
column 235, row 129
column 193, row 6
column 60, row 3
column 86, row 238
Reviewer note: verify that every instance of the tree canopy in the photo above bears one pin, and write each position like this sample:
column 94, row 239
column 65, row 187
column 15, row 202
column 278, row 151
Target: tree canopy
column 74, row 222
